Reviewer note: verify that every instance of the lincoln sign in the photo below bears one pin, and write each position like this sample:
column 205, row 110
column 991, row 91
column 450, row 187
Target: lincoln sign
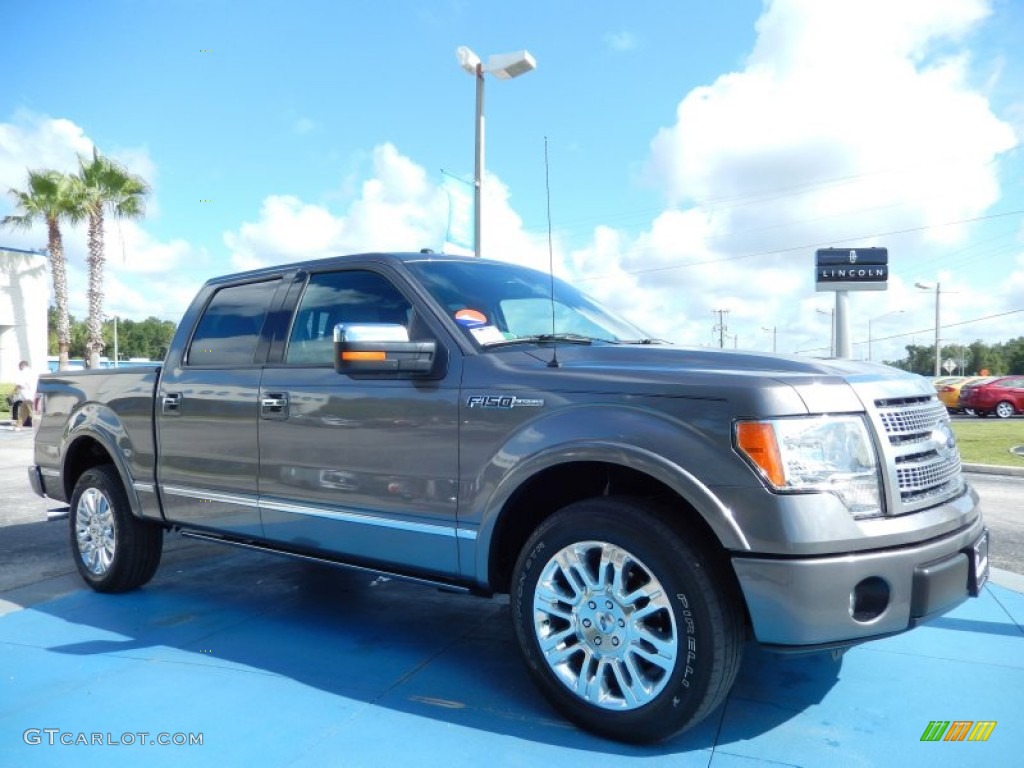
column 851, row 269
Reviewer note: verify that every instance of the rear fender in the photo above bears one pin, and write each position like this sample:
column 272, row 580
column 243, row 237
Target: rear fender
column 91, row 430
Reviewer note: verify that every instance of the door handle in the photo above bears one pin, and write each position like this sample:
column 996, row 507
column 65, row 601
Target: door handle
column 274, row 405
column 171, row 403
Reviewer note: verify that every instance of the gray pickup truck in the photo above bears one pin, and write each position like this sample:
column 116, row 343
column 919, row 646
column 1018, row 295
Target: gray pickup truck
column 486, row 428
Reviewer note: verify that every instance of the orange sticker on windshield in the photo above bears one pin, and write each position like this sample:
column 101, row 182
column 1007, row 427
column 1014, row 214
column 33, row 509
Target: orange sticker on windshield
column 470, row 318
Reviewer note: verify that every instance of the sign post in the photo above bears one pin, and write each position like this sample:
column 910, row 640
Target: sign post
column 849, row 269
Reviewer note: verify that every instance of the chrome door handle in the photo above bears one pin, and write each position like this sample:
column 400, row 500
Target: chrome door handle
column 274, row 405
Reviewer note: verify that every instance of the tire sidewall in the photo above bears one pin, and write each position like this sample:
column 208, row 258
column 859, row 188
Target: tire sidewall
column 684, row 576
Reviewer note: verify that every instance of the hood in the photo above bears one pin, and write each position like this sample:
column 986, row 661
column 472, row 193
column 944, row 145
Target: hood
column 766, row 382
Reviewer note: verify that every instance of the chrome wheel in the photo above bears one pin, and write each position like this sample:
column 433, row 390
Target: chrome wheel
column 605, row 625
column 1004, row 410
column 94, row 531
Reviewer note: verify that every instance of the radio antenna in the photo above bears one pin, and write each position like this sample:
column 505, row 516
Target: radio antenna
column 553, row 363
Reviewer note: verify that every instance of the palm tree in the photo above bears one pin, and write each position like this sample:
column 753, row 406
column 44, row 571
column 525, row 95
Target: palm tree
column 104, row 185
column 50, row 198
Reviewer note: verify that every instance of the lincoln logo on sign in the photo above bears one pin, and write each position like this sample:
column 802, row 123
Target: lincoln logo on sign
column 843, row 269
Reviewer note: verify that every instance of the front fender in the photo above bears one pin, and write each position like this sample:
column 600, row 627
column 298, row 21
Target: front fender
column 681, row 454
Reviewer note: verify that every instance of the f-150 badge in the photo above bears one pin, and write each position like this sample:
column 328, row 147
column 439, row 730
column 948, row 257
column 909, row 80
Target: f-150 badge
column 503, row 401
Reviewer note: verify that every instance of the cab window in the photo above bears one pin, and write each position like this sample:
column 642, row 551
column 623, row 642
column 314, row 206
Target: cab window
column 230, row 328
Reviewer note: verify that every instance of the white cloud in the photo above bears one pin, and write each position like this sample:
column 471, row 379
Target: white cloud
column 620, row 41
column 397, row 206
column 848, row 120
column 304, row 125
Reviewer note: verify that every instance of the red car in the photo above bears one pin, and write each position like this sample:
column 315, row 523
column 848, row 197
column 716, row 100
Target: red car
column 1003, row 396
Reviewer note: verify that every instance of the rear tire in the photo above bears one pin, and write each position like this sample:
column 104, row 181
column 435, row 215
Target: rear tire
column 631, row 630
column 1004, row 409
column 114, row 550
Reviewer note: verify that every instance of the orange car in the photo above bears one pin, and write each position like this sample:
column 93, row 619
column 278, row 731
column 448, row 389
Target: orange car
column 948, row 390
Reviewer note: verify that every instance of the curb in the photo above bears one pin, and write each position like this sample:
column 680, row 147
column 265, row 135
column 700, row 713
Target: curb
column 1007, row 579
column 992, row 469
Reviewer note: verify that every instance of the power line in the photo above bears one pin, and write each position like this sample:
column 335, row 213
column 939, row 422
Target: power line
column 929, row 330
column 809, row 246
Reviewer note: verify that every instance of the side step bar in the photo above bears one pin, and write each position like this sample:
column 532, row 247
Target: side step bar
column 447, row 587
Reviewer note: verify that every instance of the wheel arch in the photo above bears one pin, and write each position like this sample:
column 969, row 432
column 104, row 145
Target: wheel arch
column 86, row 450
column 536, row 493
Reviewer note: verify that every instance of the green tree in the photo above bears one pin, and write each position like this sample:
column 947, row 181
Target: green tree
column 1014, row 351
column 50, row 197
column 104, row 186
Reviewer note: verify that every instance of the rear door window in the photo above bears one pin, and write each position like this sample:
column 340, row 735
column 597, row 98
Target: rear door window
column 230, row 328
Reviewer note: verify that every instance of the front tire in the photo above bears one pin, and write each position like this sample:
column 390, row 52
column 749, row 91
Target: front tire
column 631, row 630
column 114, row 550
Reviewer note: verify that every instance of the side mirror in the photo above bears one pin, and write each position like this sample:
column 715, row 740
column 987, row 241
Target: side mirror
column 380, row 348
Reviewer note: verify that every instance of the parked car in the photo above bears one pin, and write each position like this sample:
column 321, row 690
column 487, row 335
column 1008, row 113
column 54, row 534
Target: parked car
column 948, row 390
column 1003, row 396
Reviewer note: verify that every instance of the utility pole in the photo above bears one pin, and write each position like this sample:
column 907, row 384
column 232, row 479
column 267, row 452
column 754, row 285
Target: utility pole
column 721, row 327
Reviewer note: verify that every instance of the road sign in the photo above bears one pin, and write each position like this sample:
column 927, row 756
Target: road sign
column 949, row 365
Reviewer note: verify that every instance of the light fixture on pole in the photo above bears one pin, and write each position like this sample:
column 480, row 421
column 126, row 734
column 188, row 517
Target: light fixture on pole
column 938, row 348
column 873, row 319
column 832, row 329
column 774, row 331
column 504, row 66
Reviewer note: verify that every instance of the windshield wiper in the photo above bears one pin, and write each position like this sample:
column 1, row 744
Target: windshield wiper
column 645, row 341
column 568, row 338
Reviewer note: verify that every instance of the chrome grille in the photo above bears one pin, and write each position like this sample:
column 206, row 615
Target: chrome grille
column 927, row 462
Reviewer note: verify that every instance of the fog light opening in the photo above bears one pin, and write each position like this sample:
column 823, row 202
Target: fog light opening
column 869, row 599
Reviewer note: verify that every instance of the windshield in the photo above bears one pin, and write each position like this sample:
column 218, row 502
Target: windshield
column 504, row 303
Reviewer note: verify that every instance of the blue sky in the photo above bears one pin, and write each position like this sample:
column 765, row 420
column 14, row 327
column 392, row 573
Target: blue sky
column 699, row 151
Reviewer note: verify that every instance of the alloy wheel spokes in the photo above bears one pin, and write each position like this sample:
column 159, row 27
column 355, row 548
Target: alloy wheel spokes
column 94, row 531
column 605, row 625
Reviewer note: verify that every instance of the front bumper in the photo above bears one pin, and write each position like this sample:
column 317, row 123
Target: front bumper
column 845, row 599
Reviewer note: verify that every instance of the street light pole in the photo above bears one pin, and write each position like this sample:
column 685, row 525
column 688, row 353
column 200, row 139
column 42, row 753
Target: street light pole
column 774, row 329
column 504, row 66
column 880, row 317
column 478, row 164
column 832, row 330
column 938, row 347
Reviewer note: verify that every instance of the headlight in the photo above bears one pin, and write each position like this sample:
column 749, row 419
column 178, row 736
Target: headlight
column 832, row 454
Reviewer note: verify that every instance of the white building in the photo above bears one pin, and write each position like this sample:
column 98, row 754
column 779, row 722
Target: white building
column 24, row 297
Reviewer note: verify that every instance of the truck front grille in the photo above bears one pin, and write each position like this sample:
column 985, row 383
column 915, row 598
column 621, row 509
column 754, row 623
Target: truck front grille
column 924, row 452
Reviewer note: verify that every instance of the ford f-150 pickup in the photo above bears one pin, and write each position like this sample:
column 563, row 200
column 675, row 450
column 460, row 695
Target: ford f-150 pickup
column 487, row 428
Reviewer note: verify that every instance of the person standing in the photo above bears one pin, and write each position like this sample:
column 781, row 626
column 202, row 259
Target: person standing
column 24, row 396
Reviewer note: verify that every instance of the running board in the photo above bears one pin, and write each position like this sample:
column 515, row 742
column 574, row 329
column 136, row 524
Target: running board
column 446, row 586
